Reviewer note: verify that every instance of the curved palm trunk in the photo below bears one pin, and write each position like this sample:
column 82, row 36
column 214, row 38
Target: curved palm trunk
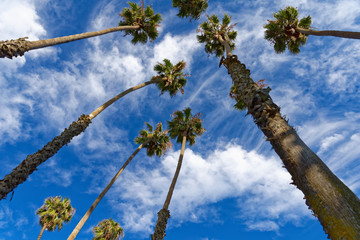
column 19, row 174
column 333, row 203
column 102, row 194
column 17, row 47
column 342, row 34
column 164, row 213
column 41, row 232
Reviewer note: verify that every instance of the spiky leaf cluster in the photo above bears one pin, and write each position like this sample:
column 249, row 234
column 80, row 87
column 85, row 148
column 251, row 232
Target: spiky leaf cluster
column 175, row 77
column 282, row 31
column 211, row 31
column 108, row 229
column 184, row 124
column 240, row 105
column 145, row 18
column 55, row 212
column 190, row 8
column 157, row 142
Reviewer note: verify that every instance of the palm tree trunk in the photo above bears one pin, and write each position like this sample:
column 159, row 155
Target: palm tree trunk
column 333, row 203
column 164, row 214
column 14, row 48
column 41, row 232
column 342, row 34
column 19, row 174
column 102, row 194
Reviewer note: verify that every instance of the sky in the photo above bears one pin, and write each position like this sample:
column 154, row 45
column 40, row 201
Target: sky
column 232, row 184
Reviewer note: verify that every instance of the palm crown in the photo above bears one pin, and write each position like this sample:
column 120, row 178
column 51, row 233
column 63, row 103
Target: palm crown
column 55, row 212
column 156, row 142
column 145, row 18
column 282, row 31
column 185, row 125
column 190, row 8
column 212, row 31
column 175, row 77
column 108, row 229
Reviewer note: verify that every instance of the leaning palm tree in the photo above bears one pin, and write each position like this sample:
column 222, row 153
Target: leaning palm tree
column 185, row 128
column 286, row 31
column 137, row 21
column 156, row 142
column 333, row 203
column 170, row 79
column 108, row 229
column 54, row 213
column 190, row 8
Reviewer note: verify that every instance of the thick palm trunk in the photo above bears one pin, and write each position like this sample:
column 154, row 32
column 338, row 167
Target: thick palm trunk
column 333, row 203
column 30, row 164
column 41, row 232
column 164, row 214
column 17, row 47
column 342, row 34
column 102, row 194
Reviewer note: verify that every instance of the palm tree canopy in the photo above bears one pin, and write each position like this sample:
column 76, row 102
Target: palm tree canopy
column 175, row 77
column 282, row 30
column 211, row 31
column 156, row 142
column 145, row 18
column 108, row 229
column 55, row 212
column 184, row 124
column 190, row 8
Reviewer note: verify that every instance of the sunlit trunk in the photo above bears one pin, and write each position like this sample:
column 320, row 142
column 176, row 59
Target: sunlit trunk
column 41, row 232
column 342, row 34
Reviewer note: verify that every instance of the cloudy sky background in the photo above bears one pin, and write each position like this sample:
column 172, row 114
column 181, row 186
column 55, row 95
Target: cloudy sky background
column 232, row 185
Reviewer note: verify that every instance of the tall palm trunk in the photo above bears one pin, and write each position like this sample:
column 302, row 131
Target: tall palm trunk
column 41, row 232
column 17, row 47
column 342, row 34
column 164, row 213
column 333, row 203
column 102, row 194
column 19, row 174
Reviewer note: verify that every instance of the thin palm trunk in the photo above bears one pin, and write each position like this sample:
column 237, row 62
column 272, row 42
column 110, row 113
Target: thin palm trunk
column 18, row 47
column 164, row 214
column 19, row 174
column 41, row 232
column 102, row 194
column 333, row 33
column 333, row 203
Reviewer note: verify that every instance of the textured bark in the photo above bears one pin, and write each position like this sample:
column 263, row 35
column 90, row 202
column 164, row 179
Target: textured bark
column 18, row 47
column 160, row 227
column 30, row 164
column 333, row 33
column 41, row 232
column 332, row 202
column 163, row 216
column 102, row 194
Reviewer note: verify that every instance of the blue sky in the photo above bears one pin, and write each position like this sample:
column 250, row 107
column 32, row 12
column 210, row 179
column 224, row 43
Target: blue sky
column 232, row 185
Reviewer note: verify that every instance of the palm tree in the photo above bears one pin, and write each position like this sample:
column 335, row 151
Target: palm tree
column 54, row 213
column 108, row 229
column 190, row 8
column 170, row 79
column 157, row 142
column 286, row 31
column 185, row 128
column 333, row 203
column 137, row 21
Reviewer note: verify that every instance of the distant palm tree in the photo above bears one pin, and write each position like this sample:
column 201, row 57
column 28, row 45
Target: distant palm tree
column 184, row 127
column 156, row 142
column 170, row 79
column 286, row 31
column 190, row 8
column 108, row 229
column 333, row 203
column 137, row 21
column 54, row 213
